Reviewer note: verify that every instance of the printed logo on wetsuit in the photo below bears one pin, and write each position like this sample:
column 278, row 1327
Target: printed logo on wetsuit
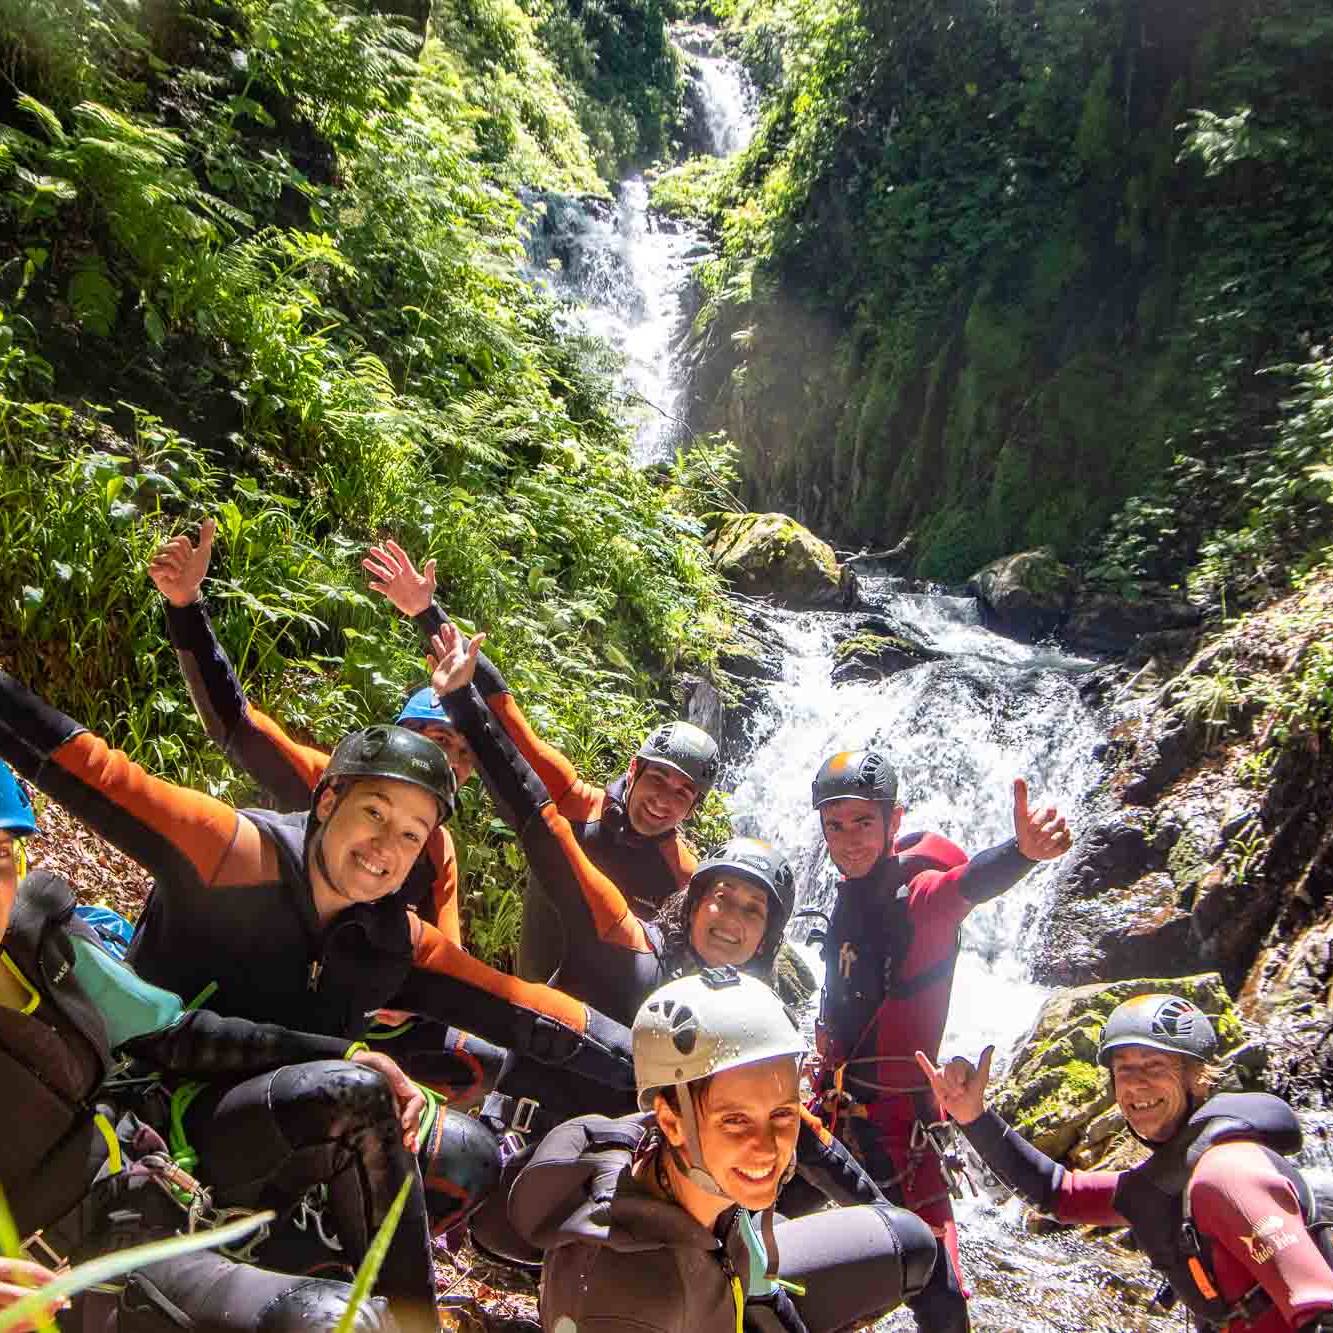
column 847, row 957
column 1270, row 1238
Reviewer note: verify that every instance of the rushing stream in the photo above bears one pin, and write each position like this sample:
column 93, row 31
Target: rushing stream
column 959, row 730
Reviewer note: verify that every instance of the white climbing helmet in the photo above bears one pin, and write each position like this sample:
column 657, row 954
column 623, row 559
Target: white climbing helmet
column 701, row 1025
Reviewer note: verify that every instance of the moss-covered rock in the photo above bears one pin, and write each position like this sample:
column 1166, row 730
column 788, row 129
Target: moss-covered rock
column 771, row 555
column 1028, row 593
column 1056, row 1094
column 795, row 981
column 868, row 656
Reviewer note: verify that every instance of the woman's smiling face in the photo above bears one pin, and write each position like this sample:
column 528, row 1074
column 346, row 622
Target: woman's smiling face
column 729, row 921
column 748, row 1122
column 375, row 830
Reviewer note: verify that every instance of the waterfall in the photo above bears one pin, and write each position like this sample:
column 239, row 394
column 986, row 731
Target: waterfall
column 959, row 730
column 620, row 271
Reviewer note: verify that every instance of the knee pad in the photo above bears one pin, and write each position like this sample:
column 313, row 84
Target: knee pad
column 328, row 1098
column 318, row 1304
column 916, row 1243
column 460, row 1165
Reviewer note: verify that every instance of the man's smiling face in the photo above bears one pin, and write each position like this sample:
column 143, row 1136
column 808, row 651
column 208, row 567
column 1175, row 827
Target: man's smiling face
column 1152, row 1090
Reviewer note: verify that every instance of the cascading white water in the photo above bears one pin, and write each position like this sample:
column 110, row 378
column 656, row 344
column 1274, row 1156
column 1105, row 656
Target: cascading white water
column 621, row 270
column 959, row 731
column 728, row 104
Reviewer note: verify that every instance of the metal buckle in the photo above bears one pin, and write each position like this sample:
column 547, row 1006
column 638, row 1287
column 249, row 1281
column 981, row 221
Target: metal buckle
column 49, row 1256
column 524, row 1111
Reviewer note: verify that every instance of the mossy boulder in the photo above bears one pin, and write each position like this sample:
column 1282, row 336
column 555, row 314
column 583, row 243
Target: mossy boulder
column 1027, row 594
column 869, row 656
column 795, row 981
column 771, row 555
column 1055, row 1093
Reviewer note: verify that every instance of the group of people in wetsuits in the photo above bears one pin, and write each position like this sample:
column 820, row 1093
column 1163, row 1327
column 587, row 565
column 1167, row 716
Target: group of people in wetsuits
column 299, row 1027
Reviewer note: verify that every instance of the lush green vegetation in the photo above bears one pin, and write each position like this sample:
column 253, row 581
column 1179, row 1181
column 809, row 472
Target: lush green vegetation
column 999, row 273
column 259, row 261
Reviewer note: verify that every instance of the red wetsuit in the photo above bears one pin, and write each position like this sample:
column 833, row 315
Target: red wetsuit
column 890, row 953
column 1245, row 1204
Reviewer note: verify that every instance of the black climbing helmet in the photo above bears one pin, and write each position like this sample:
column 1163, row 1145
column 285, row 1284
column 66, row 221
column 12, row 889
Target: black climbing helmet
column 1160, row 1022
column 857, row 775
column 759, row 862
column 686, row 748
column 397, row 753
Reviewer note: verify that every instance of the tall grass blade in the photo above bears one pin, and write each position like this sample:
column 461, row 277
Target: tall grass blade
column 369, row 1271
column 12, row 1247
column 116, row 1265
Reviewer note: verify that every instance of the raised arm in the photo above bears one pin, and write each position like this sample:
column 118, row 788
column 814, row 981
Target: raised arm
column 1040, row 835
column 588, row 902
column 285, row 769
column 186, row 839
column 412, row 592
column 1086, row 1197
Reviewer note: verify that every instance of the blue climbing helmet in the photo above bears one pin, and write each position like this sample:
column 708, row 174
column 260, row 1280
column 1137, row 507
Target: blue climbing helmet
column 16, row 817
column 423, row 708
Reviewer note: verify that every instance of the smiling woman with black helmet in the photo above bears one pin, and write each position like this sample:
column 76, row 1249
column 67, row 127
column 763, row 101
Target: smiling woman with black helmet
column 296, row 919
column 1240, row 1235
column 664, row 1221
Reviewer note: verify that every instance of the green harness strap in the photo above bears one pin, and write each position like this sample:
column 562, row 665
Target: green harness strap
column 182, row 1098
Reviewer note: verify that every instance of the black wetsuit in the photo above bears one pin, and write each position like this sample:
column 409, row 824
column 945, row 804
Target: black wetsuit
column 74, row 1164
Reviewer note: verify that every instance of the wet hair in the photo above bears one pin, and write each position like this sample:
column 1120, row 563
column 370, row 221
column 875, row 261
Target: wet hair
column 678, row 954
column 699, row 1090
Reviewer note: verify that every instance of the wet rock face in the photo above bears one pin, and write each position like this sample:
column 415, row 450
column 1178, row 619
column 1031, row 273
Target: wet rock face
column 724, row 704
column 1101, row 622
column 1025, row 595
column 875, row 648
column 771, row 555
column 1209, row 845
column 1056, row 1093
column 795, row 981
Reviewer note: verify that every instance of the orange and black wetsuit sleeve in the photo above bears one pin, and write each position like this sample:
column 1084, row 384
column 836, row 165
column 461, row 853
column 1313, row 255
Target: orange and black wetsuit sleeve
column 680, row 859
column 590, row 905
column 443, row 907
column 285, row 769
column 538, row 1021
column 181, row 836
column 574, row 798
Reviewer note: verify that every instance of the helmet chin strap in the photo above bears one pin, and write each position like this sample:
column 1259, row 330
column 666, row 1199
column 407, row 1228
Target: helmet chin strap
column 317, row 847
column 697, row 1175
column 700, row 1175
